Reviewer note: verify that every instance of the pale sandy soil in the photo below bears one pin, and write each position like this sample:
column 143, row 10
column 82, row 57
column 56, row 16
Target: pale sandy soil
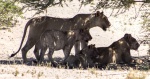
column 10, row 41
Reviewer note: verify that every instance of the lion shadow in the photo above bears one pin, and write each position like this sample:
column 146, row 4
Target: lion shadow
column 16, row 61
column 145, row 65
column 32, row 62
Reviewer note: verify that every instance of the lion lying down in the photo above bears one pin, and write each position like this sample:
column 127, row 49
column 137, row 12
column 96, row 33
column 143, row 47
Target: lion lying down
column 83, row 59
column 117, row 52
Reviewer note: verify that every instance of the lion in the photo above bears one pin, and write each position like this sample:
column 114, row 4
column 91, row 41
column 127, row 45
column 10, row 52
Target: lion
column 39, row 25
column 56, row 40
column 118, row 51
column 83, row 59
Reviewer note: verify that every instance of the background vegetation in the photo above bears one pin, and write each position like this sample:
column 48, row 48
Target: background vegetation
column 10, row 9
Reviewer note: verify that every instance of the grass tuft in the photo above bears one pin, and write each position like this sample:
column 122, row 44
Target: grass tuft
column 134, row 74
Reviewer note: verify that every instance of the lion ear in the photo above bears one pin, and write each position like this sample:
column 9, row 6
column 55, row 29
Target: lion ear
column 98, row 13
column 102, row 13
column 91, row 46
column 127, row 36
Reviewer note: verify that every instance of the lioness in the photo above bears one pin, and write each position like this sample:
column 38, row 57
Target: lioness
column 118, row 51
column 83, row 59
column 56, row 40
column 39, row 25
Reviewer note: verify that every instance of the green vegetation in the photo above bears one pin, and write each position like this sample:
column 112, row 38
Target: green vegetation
column 9, row 11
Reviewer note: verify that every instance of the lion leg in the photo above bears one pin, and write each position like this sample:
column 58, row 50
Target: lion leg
column 127, row 58
column 83, row 44
column 66, row 51
column 77, row 48
column 50, row 56
column 79, row 44
column 42, row 53
column 36, row 53
column 29, row 44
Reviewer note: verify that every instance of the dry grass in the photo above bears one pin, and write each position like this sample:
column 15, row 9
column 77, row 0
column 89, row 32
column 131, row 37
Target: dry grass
column 16, row 72
column 135, row 74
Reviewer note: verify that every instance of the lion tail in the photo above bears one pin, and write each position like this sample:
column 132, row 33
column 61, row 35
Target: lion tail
column 24, row 34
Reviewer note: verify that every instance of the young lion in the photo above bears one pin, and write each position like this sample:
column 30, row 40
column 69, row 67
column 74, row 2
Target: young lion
column 83, row 59
column 56, row 40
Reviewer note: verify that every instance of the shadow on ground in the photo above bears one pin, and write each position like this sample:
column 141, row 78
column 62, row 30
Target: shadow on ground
column 145, row 65
column 19, row 61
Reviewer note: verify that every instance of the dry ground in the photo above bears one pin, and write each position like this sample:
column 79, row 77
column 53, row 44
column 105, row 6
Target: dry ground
column 10, row 41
